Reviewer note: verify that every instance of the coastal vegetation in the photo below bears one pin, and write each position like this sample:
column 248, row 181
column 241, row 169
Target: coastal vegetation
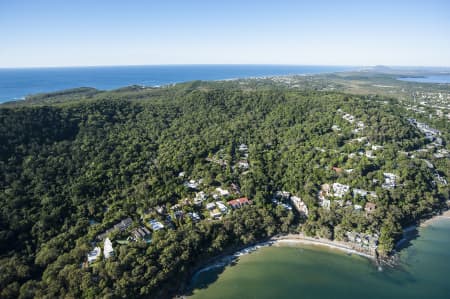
column 74, row 164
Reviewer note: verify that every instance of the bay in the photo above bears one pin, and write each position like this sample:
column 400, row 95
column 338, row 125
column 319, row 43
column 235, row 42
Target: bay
column 428, row 79
column 315, row 272
column 18, row 83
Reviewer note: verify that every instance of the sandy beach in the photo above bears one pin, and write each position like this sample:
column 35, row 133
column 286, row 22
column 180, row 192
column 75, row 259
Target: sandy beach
column 444, row 215
column 335, row 245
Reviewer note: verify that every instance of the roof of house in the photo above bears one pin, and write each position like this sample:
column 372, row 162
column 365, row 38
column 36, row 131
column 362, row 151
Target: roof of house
column 239, row 201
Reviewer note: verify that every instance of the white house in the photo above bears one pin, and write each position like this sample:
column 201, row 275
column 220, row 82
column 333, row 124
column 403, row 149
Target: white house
column 94, row 254
column 222, row 192
column 340, row 190
column 107, row 248
column 390, row 180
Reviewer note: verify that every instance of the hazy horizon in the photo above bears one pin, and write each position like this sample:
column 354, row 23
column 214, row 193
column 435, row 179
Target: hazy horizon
column 404, row 67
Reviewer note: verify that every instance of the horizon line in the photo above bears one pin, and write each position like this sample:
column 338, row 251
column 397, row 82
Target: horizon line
column 220, row 64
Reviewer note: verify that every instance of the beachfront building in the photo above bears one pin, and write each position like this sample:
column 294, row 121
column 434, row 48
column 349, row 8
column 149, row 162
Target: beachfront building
column 364, row 241
column 324, row 192
column 300, row 205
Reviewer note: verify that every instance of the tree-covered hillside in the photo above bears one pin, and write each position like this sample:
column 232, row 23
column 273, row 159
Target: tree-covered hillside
column 71, row 169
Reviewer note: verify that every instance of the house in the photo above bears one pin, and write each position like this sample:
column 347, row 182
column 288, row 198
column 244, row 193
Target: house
column 94, row 254
column 323, row 194
column 340, row 190
column 390, row 180
column 240, row 202
column 243, row 165
column 325, row 203
column 194, row 216
column 360, row 192
column 324, row 191
column 192, row 184
column 178, row 214
column 282, row 194
column 210, row 206
column 348, row 117
column 222, row 207
column 358, row 207
column 243, row 147
column 161, row 210
column 222, row 192
column 156, row 225
column 335, row 128
column 370, row 155
column 235, row 188
column 299, row 205
column 121, row 226
column 367, row 241
column 286, row 206
column 337, row 169
column 370, row 207
column 108, row 250
column 199, row 197
column 140, row 233
column 376, row 147
column 215, row 214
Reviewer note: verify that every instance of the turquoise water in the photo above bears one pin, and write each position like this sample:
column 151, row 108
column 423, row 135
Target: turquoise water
column 429, row 79
column 314, row 272
column 18, row 83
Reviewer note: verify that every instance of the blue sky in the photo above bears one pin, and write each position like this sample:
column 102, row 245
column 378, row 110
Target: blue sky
column 131, row 32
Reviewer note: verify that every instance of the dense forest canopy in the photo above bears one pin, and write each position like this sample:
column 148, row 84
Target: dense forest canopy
column 72, row 165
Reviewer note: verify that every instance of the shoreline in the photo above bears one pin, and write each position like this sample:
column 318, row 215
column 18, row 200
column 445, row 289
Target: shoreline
column 300, row 239
column 444, row 215
column 335, row 245
column 278, row 241
column 410, row 232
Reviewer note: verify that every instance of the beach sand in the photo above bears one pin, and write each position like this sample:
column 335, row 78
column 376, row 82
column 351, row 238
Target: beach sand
column 445, row 215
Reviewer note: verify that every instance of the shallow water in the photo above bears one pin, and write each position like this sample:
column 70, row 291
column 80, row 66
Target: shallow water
column 316, row 272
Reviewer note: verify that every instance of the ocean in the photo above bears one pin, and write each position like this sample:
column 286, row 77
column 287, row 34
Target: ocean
column 311, row 272
column 18, row 83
